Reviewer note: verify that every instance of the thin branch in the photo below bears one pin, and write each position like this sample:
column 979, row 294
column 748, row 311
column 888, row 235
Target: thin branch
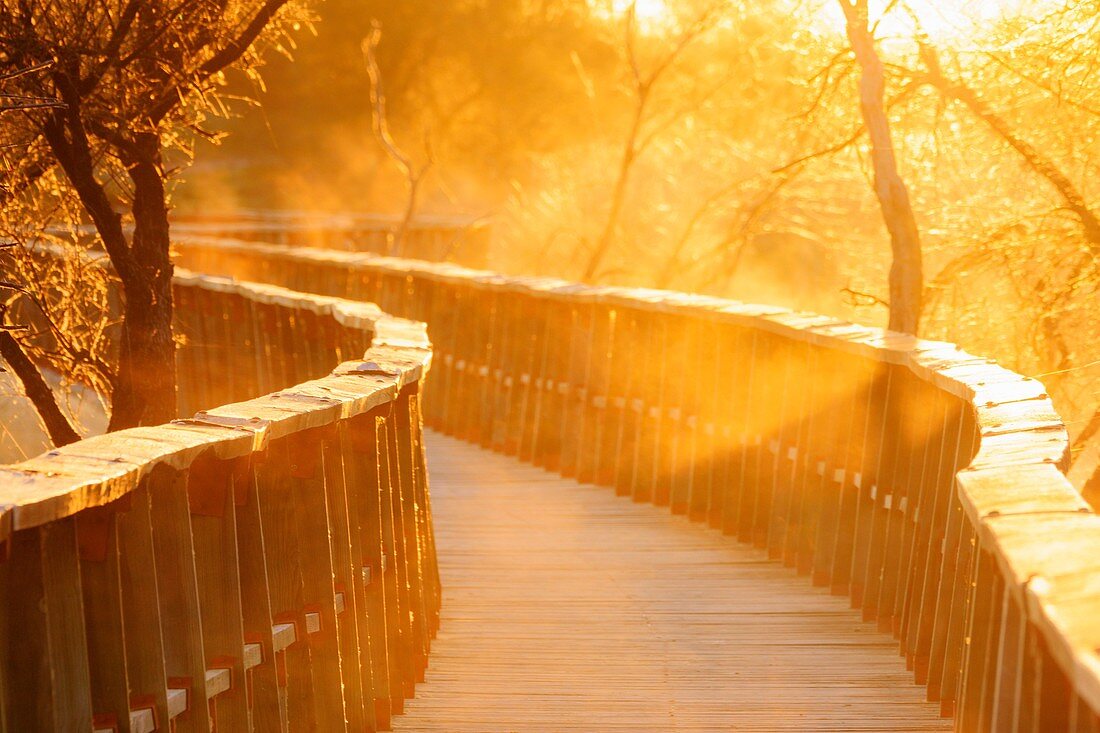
column 859, row 298
column 60, row 430
column 1044, row 166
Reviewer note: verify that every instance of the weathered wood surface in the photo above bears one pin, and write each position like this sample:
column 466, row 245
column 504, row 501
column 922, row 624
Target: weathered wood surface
column 912, row 476
column 569, row 608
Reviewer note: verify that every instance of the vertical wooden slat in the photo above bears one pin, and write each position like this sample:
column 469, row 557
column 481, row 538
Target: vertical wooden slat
column 414, row 521
column 433, row 595
column 930, row 606
column 402, row 555
column 364, row 477
column 870, row 442
column 256, row 615
column 1010, row 659
column 344, row 542
column 141, row 607
column 279, row 509
column 309, row 496
column 99, row 574
column 850, row 478
column 214, row 534
column 178, row 593
column 68, row 656
column 44, row 673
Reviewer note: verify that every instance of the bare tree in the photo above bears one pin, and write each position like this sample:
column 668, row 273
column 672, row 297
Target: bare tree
column 35, row 387
column 414, row 175
column 1055, row 283
column 906, row 277
column 643, row 129
column 957, row 90
column 136, row 78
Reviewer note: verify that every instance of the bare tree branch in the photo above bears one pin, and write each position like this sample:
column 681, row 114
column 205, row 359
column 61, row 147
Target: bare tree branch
column 60, row 430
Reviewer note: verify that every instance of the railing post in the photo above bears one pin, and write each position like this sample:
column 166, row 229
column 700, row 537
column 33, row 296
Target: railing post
column 210, row 493
column 775, row 384
column 574, row 412
column 345, row 575
column 677, row 405
column 593, row 393
column 955, row 572
column 790, row 452
column 189, row 377
column 97, row 540
column 266, row 710
column 928, row 608
column 279, row 504
column 915, row 432
column 645, row 405
column 399, row 613
column 836, row 408
column 433, row 593
column 810, row 463
column 411, row 521
column 141, row 607
column 660, row 412
column 185, row 660
column 550, row 407
column 1009, row 664
column 870, row 439
column 379, row 593
column 748, row 431
column 44, row 675
column 704, row 498
column 736, row 365
column 860, row 372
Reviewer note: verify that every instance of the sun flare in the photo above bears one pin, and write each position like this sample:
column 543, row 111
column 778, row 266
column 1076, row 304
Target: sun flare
column 650, row 13
column 954, row 21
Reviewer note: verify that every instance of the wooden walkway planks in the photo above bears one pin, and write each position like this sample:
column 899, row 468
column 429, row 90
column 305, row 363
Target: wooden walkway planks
column 567, row 608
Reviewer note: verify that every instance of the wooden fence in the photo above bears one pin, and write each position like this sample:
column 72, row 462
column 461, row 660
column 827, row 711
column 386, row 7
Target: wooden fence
column 265, row 565
column 437, row 239
column 922, row 482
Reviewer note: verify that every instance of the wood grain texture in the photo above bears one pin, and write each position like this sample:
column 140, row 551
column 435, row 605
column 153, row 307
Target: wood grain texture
column 569, row 608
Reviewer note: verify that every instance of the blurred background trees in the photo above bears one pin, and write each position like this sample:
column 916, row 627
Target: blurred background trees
column 749, row 171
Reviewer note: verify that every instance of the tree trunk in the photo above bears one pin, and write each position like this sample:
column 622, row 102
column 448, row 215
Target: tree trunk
column 144, row 392
column 906, row 277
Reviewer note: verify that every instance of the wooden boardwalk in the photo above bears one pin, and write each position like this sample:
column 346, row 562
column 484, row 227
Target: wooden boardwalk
column 567, row 608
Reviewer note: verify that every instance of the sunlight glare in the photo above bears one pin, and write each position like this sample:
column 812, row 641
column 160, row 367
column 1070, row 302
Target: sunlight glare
column 955, row 21
column 651, row 14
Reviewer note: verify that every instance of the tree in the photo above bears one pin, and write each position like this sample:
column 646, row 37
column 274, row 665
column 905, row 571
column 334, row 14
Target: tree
column 414, row 175
column 643, row 129
column 56, row 423
column 906, row 278
column 136, row 79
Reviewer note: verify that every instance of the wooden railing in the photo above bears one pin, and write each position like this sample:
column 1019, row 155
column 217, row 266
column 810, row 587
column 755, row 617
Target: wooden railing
column 436, row 239
column 242, row 340
column 924, row 483
column 266, row 565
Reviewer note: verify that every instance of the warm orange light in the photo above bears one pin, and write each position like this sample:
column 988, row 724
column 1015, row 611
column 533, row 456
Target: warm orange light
column 955, row 21
column 650, row 13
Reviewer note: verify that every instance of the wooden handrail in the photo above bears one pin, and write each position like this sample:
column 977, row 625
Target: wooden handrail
column 267, row 564
column 925, row 483
column 435, row 238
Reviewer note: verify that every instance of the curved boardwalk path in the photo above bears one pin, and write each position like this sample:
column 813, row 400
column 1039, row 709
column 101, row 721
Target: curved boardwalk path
column 567, row 608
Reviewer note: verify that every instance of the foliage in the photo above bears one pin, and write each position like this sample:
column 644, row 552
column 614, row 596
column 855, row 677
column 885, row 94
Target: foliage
column 130, row 85
column 753, row 181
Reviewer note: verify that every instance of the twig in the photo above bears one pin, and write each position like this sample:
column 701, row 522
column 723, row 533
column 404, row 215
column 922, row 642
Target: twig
column 858, row 298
